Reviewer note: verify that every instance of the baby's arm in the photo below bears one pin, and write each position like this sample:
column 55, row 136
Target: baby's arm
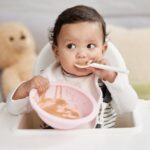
column 17, row 100
column 38, row 82
column 123, row 95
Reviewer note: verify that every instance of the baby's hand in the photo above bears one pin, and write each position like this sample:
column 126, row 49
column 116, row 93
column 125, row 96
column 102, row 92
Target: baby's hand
column 38, row 82
column 104, row 74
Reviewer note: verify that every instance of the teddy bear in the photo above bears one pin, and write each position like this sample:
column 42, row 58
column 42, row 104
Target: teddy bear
column 17, row 55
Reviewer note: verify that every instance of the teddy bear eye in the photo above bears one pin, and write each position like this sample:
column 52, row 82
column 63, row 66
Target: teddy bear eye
column 11, row 38
column 22, row 37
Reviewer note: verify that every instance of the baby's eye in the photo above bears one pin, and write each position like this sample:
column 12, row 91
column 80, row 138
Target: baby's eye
column 91, row 46
column 71, row 46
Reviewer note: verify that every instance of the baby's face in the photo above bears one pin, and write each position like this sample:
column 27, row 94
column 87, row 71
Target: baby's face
column 79, row 43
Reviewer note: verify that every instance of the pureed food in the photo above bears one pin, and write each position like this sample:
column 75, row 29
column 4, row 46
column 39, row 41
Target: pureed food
column 82, row 63
column 58, row 107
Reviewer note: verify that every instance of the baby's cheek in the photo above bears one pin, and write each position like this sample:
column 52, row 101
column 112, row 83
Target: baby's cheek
column 98, row 57
column 93, row 59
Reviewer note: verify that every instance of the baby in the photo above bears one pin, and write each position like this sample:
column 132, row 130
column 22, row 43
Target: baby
column 79, row 37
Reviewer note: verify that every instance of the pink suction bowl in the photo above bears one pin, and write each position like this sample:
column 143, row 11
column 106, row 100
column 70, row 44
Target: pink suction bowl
column 81, row 101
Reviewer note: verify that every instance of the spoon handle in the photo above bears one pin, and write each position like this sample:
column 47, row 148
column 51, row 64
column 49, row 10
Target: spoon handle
column 109, row 68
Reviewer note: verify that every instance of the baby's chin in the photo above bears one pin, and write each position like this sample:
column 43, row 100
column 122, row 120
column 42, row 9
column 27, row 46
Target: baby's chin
column 83, row 72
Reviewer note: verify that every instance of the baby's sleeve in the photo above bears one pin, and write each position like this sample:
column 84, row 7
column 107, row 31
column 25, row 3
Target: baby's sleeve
column 123, row 95
column 19, row 106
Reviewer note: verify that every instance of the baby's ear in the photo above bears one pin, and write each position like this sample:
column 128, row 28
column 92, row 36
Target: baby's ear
column 55, row 50
column 104, row 48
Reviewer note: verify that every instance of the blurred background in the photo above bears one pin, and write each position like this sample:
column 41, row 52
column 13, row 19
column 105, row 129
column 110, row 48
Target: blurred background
column 128, row 23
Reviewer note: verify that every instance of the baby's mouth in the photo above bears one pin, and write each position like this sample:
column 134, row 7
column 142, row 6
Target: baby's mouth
column 82, row 63
column 79, row 62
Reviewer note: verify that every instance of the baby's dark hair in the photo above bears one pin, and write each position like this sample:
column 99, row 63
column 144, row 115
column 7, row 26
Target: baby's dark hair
column 76, row 14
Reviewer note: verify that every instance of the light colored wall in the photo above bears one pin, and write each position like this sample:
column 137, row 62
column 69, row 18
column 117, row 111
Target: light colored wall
column 39, row 15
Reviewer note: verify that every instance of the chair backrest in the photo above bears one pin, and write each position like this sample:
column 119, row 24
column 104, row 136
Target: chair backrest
column 46, row 57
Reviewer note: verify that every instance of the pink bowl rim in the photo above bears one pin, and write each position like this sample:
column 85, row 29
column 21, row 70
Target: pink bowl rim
column 88, row 118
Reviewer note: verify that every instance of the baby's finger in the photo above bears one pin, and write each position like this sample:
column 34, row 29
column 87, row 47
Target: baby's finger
column 41, row 90
column 45, row 83
column 43, row 86
column 95, row 70
column 103, row 61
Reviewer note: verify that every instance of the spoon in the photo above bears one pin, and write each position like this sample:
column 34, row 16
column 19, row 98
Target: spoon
column 101, row 66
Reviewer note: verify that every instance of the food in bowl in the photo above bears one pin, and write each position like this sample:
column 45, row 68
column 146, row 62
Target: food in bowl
column 58, row 107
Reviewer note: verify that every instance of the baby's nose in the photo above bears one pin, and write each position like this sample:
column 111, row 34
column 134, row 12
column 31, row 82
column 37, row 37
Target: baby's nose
column 81, row 55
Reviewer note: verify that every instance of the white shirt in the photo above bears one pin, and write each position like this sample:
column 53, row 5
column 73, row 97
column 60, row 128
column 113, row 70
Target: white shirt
column 123, row 95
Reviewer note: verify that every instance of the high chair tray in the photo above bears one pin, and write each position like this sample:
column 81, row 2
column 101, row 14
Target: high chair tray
column 132, row 133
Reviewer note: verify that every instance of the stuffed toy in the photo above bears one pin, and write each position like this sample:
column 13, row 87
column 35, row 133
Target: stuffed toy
column 17, row 55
